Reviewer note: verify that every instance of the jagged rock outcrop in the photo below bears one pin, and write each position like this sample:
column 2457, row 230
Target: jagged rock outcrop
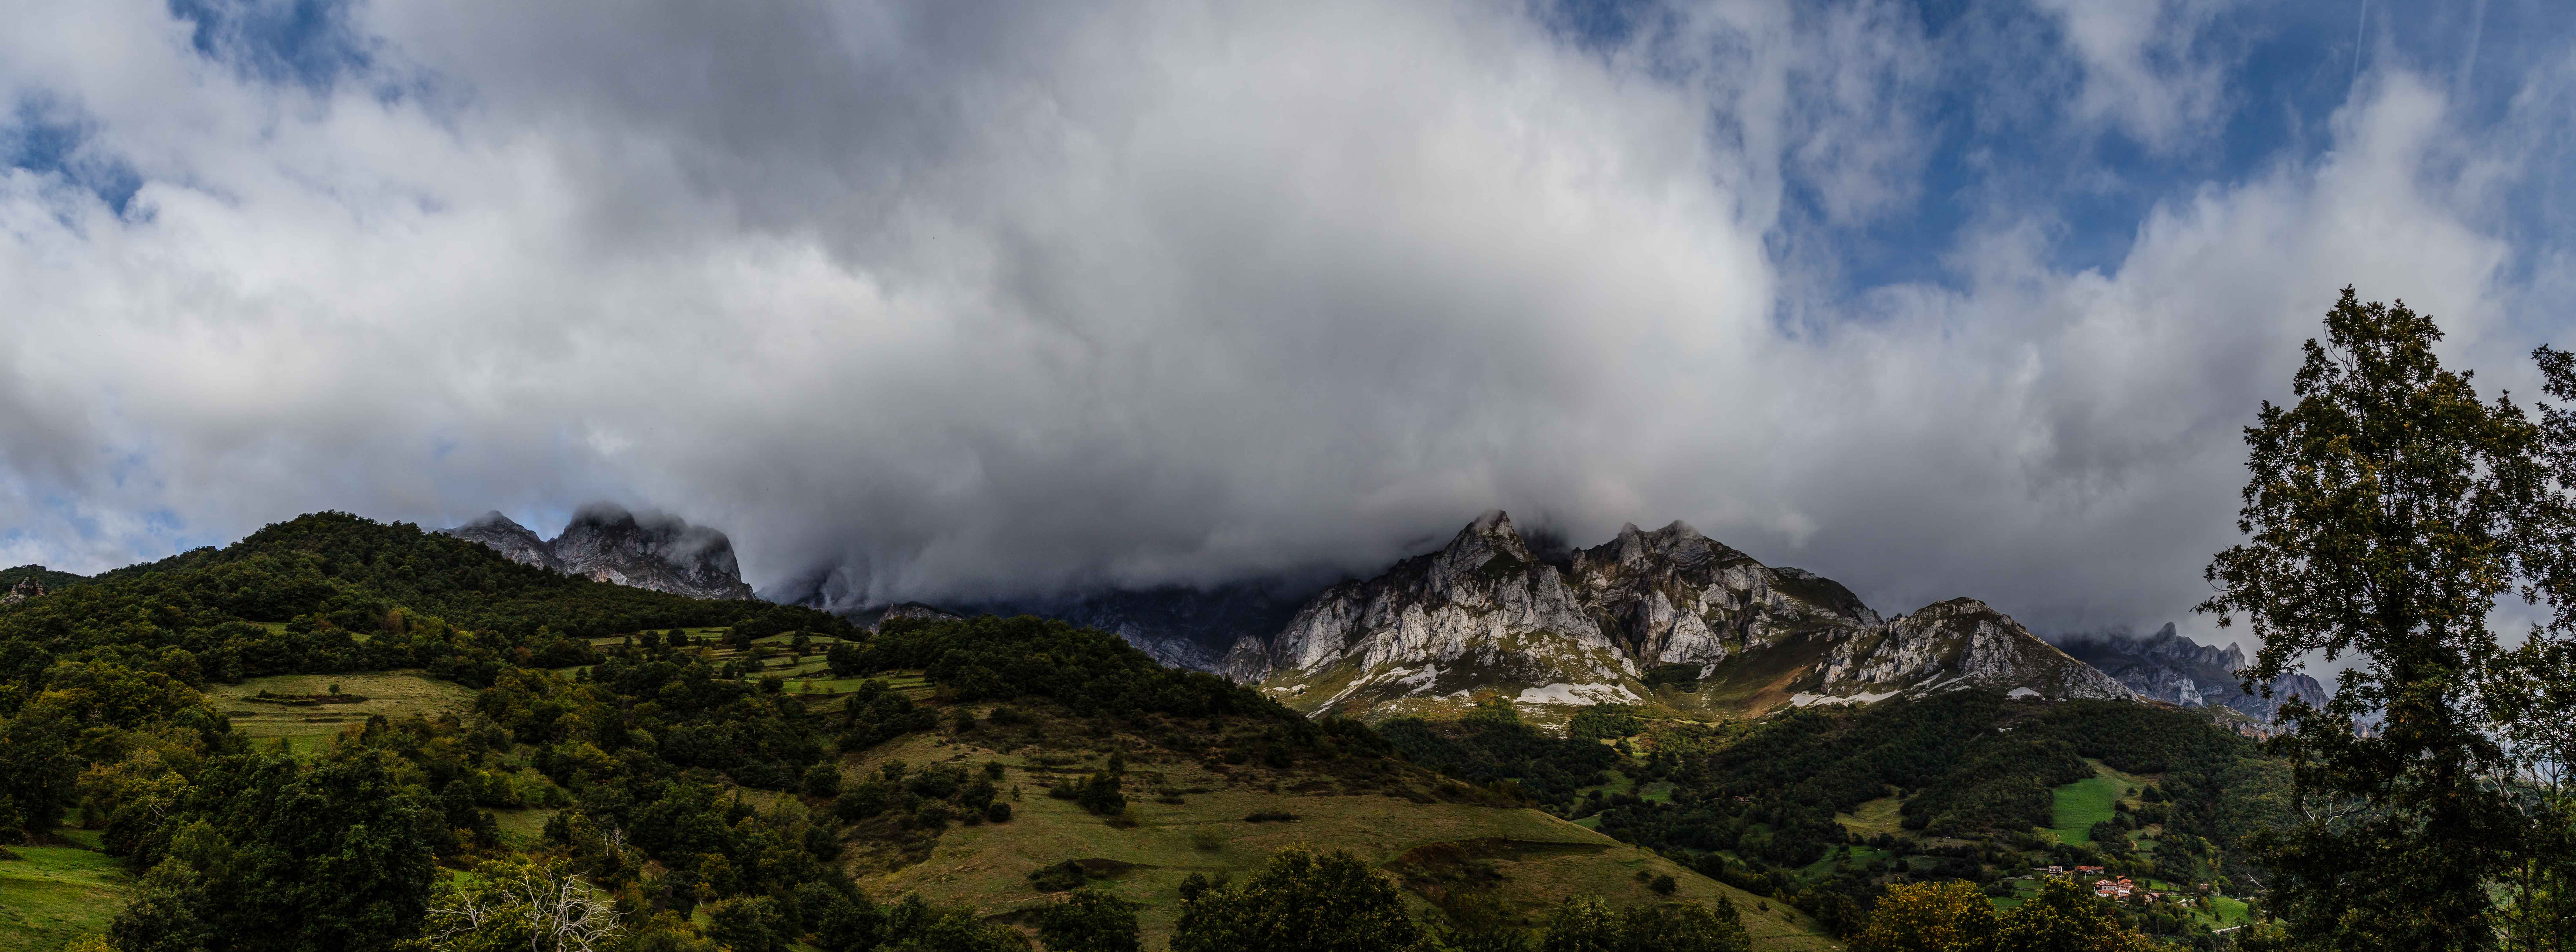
column 24, row 590
column 607, row 543
column 2170, row 667
column 1608, row 623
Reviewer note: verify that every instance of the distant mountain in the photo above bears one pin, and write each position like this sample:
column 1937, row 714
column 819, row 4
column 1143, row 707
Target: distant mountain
column 1664, row 611
column 2169, row 667
column 607, row 543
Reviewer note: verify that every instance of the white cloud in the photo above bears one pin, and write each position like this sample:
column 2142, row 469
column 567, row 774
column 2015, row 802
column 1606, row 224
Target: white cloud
column 982, row 297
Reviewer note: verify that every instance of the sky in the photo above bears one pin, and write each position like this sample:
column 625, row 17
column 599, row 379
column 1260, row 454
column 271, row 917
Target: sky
column 961, row 299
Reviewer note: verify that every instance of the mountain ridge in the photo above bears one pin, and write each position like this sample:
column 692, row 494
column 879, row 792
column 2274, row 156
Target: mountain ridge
column 1487, row 615
column 608, row 543
column 2171, row 667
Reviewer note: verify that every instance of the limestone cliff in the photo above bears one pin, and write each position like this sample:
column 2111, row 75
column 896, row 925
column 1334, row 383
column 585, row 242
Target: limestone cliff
column 607, row 543
column 1646, row 611
column 2169, row 667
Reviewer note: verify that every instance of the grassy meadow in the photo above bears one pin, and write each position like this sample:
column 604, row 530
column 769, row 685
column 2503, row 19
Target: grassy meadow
column 50, row 895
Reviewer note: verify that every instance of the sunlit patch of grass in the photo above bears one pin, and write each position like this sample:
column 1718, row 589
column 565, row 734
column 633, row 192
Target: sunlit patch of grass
column 54, row 894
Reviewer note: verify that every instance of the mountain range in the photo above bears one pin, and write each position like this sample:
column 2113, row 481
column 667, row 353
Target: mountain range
column 1668, row 615
column 607, row 543
column 2169, row 667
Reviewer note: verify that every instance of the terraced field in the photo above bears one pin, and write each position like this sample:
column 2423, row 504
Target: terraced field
column 392, row 694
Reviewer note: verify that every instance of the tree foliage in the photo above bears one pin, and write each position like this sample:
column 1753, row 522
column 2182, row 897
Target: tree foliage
column 1302, row 901
column 2387, row 512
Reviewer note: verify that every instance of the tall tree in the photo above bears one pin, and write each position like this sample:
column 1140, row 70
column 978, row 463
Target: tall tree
column 2389, row 509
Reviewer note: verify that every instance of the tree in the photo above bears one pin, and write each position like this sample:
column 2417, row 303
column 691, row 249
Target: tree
column 749, row 924
column 287, row 857
column 1929, row 917
column 1301, row 901
column 2064, row 918
column 2531, row 697
column 1100, row 795
column 2387, row 511
column 1088, row 921
column 37, row 773
column 1583, row 924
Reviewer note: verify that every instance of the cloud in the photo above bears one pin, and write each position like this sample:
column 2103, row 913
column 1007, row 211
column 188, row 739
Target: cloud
column 986, row 299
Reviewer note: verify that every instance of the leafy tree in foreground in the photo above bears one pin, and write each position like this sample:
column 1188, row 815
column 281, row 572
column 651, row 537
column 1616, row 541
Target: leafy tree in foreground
column 286, row 857
column 2388, row 510
column 2064, row 917
column 1954, row 917
column 1928, row 916
column 1301, row 902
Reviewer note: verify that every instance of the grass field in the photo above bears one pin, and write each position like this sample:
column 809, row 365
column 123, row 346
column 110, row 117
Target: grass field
column 1873, row 817
column 2081, row 804
column 1540, row 859
column 54, row 894
column 392, row 694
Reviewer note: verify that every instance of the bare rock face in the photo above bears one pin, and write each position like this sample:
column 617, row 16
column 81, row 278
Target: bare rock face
column 1611, row 623
column 2172, row 668
column 607, row 543
column 1958, row 643
column 24, row 590
column 515, row 542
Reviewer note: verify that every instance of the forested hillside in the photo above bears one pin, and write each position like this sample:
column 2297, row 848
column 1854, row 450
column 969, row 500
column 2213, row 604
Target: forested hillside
column 341, row 734
column 1835, row 804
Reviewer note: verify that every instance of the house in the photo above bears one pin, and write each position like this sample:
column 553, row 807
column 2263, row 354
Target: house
column 2057, row 870
column 2114, row 888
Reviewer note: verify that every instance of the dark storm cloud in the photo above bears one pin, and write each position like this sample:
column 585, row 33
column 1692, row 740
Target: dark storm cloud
column 969, row 299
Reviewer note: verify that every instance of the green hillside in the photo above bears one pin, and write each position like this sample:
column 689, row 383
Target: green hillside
column 1834, row 805
column 297, row 740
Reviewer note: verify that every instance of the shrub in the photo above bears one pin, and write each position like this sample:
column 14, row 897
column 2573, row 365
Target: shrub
column 997, row 812
column 823, row 780
column 931, row 815
column 1101, row 796
column 1270, row 816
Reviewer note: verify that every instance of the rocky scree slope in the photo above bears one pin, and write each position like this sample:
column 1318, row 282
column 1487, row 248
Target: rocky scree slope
column 1665, row 610
column 2177, row 670
column 606, row 543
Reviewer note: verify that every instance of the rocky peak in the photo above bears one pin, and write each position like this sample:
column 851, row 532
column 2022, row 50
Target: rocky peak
column 515, row 542
column 608, row 543
column 1612, row 621
column 1486, row 548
